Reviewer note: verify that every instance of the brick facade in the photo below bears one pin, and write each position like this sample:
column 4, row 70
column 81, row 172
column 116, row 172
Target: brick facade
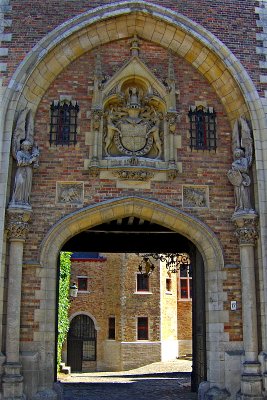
column 112, row 292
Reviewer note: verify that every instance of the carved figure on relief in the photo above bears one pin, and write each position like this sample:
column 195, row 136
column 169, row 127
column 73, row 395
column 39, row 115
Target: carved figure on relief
column 111, row 129
column 155, row 133
column 238, row 175
column 26, row 153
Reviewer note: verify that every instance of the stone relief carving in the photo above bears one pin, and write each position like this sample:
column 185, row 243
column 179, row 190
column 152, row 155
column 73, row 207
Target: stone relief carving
column 133, row 117
column 133, row 175
column 26, row 153
column 195, row 196
column 238, row 175
column 246, row 228
column 70, row 193
column 133, row 130
column 18, row 224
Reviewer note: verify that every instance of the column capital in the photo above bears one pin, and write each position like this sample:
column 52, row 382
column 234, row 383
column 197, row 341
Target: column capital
column 246, row 228
column 17, row 224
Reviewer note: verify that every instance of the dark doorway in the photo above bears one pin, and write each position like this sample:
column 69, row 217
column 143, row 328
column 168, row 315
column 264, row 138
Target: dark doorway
column 133, row 235
column 81, row 342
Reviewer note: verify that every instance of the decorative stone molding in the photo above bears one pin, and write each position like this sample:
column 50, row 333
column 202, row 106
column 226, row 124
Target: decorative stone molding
column 195, row 196
column 70, row 193
column 134, row 175
column 246, row 228
column 18, row 224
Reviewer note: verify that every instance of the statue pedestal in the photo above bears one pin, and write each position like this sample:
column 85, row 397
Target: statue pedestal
column 251, row 381
column 12, row 382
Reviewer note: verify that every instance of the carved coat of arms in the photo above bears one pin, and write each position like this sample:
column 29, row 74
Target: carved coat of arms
column 132, row 128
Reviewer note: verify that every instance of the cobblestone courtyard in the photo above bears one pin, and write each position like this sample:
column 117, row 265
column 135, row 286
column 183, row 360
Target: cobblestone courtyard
column 157, row 381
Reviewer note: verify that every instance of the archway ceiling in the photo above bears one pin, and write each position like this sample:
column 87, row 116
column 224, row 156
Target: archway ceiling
column 129, row 234
column 181, row 39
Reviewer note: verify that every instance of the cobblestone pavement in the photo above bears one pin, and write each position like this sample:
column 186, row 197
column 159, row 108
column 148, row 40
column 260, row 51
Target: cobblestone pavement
column 157, row 381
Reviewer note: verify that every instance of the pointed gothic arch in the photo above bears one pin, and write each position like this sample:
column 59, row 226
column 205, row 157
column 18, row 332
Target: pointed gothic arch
column 155, row 212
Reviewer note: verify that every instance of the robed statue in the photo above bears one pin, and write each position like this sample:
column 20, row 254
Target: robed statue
column 238, row 175
column 26, row 154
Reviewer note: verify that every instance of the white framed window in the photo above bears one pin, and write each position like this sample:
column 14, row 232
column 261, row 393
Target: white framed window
column 185, row 284
column 142, row 283
column 82, row 283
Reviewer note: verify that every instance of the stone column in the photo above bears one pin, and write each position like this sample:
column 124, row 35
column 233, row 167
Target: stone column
column 246, row 232
column 17, row 228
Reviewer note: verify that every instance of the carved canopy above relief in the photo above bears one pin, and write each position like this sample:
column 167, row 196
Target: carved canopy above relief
column 133, row 123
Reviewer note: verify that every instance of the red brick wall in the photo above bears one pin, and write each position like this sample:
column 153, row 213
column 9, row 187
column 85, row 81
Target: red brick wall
column 234, row 25
column 184, row 310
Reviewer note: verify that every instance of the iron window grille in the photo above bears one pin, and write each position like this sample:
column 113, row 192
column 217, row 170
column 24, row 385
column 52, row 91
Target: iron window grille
column 63, row 123
column 202, row 128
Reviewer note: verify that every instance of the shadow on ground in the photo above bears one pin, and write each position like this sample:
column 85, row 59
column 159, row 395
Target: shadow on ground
column 170, row 386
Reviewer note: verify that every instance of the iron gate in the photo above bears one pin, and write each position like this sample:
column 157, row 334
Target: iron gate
column 81, row 342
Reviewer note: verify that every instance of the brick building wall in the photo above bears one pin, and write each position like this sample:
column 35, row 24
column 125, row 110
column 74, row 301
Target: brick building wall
column 112, row 292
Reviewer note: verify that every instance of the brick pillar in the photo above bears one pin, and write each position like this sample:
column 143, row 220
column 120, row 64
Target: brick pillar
column 17, row 228
column 251, row 379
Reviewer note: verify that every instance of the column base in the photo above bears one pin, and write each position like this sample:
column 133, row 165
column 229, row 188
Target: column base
column 12, row 382
column 251, row 381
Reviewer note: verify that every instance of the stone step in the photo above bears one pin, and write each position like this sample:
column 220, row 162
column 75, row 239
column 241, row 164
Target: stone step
column 64, row 369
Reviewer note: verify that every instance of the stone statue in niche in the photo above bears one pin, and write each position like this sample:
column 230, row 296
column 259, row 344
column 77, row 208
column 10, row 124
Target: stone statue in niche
column 238, row 175
column 133, row 127
column 26, row 153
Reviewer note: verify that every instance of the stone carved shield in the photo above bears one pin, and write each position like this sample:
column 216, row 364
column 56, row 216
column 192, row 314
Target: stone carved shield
column 235, row 177
column 133, row 137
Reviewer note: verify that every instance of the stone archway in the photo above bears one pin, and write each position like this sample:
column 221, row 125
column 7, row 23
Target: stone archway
column 155, row 212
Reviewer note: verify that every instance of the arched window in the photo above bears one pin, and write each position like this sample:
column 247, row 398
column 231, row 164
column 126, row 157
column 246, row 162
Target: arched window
column 202, row 128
